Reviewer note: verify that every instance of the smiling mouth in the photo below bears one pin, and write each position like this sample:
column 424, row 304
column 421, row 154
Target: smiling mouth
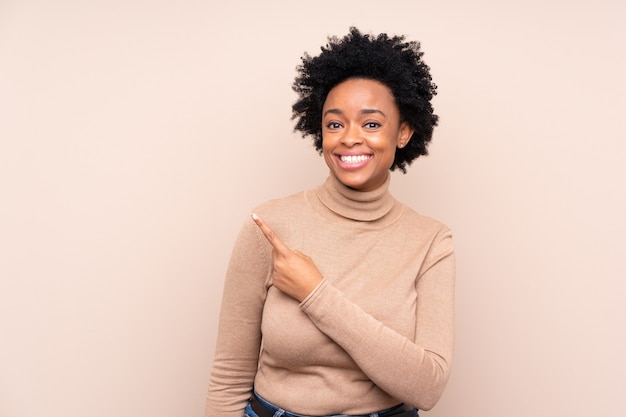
column 354, row 159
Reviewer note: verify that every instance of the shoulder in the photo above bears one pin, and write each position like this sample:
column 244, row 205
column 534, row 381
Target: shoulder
column 417, row 221
column 430, row 235
column 427, row 233
column 285, row 213
column 276, row 213
column 280, row 209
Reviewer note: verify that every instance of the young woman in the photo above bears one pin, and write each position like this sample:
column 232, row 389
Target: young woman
column 340, row 300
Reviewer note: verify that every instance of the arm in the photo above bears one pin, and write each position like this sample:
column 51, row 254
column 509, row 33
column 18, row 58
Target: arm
column 239, row 332
column 413, row 371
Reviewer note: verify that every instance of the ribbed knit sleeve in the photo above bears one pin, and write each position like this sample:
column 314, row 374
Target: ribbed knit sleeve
column 413, row 371
column 239, row 335
column 378, row 329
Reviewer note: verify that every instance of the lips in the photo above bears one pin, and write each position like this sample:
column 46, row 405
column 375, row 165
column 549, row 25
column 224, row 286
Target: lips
column 354, row 159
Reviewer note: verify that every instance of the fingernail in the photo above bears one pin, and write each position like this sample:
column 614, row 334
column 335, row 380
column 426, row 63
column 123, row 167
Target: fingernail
column 254, row 216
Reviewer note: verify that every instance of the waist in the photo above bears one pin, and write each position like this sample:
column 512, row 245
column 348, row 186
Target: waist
column 264, row 408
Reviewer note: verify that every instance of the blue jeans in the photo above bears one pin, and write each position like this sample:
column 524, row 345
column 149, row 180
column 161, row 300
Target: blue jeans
column 279, row 412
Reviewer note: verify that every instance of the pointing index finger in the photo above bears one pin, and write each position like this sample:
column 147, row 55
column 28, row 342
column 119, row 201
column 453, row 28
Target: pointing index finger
column 270, row 235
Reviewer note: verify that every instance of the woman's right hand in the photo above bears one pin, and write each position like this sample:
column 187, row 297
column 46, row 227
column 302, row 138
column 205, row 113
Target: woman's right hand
column 295, row 274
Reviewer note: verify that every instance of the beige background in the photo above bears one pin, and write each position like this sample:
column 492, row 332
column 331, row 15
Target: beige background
column 135, row 136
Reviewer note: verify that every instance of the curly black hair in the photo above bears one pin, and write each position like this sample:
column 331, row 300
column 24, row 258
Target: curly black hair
column 390, row 60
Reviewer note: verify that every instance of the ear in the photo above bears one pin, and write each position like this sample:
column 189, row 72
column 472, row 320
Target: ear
column 404, row 134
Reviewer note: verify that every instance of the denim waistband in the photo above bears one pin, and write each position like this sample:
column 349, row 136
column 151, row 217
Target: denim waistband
column 284, row 413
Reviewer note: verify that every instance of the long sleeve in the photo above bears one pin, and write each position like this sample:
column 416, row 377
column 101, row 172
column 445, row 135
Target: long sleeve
column 413, row 371
column 239, row 334
column 378, row 330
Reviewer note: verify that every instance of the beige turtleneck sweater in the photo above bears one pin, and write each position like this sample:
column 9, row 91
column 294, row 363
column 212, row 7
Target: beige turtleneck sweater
column 377, row 331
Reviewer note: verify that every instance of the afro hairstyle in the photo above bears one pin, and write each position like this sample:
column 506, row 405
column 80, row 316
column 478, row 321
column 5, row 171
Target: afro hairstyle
column 390, row 60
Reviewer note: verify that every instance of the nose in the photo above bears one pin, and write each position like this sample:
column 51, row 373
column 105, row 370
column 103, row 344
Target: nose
column 352, row 136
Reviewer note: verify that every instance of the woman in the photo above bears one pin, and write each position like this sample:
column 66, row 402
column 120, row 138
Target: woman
column 363, row 323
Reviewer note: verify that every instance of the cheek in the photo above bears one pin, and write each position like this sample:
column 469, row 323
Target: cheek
column 386, row 143
column 325, row 148
column 327, row 143
column 326, row 151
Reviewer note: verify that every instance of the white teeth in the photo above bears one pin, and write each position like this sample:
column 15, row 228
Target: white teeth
column 353, row 159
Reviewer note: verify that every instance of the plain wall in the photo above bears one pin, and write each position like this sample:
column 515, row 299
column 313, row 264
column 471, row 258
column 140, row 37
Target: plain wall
column 135, row 137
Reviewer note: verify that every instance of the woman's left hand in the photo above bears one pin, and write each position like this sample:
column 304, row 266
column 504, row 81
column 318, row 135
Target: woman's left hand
column 295, row 274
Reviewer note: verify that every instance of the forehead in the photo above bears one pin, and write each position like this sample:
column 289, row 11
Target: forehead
column 360, row 93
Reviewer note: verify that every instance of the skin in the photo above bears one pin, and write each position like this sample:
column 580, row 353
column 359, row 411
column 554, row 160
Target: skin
column 360, row 119
column 361, row 129
column 295, row 274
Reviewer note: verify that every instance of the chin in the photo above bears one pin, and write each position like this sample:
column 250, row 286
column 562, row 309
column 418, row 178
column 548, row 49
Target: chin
column 355, row 185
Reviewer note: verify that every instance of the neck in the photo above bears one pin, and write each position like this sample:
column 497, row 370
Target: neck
column 354, row 204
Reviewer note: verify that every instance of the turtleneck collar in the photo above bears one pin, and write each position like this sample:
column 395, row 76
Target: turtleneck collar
column 353, row 204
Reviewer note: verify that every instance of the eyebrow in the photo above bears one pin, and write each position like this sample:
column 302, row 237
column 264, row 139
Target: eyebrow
column 363, row 111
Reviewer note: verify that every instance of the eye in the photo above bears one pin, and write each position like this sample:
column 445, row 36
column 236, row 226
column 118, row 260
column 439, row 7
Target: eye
column 372, row 125
column 333, row 125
